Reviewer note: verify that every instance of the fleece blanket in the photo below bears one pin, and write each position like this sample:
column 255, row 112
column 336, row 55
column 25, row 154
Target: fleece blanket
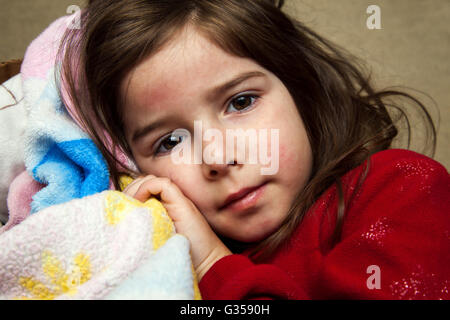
column 104, row 246
column 67, row 234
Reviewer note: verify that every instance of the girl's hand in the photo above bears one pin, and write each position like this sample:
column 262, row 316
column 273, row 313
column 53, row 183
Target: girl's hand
column 206, row 247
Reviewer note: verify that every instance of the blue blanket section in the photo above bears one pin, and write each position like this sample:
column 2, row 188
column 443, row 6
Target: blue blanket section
column 70, row 169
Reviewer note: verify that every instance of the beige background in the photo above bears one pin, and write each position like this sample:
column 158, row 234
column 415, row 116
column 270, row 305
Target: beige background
column 412, row 48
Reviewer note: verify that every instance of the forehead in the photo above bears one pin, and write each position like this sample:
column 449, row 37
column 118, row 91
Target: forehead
column 178, row 74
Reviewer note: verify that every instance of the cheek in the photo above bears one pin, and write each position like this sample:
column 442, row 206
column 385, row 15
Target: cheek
column 185, row 177
column 295, row 165
column 183, row 180
column 287, row 157
column 179, row 174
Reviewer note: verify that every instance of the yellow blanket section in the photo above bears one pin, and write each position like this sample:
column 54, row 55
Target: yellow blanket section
column 62, row 282
column 117, row 206
column 120, row 205
column 163, row 227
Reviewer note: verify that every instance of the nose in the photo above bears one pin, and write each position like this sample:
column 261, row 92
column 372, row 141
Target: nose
column 217, row 170
column 216, row 162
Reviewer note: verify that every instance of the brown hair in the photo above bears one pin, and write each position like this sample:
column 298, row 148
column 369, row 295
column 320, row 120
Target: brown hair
column 346, row 119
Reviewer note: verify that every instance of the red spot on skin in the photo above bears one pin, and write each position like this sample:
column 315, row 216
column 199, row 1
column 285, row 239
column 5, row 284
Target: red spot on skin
column 284, row 154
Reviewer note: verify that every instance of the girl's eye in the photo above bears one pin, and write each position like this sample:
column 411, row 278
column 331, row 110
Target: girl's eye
column 243, row 102
column 168, row 143
column 240, row 103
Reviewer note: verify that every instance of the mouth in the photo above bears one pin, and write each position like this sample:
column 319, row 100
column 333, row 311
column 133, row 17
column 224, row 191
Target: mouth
column 244, row 198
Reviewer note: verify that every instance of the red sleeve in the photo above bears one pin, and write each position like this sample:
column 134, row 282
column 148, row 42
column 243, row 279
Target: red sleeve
column 235, row 277
column 398, row 223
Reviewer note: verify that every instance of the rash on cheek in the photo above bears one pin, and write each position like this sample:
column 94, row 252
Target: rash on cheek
column 285, row 156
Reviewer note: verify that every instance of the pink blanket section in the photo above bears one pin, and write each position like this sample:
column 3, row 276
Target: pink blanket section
column 20, row 195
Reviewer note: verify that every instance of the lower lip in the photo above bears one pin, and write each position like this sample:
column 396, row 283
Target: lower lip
column 248, row 201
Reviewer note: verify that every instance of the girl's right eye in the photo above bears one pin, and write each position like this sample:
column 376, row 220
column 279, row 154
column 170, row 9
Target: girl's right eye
column 168, row 143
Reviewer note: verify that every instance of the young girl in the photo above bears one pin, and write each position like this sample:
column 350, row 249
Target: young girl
column 344, row 216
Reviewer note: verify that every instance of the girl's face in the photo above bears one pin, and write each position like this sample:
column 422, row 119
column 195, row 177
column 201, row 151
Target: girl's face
column 177, row 86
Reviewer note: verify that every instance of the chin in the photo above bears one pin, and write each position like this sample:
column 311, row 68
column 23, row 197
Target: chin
column 252, row 236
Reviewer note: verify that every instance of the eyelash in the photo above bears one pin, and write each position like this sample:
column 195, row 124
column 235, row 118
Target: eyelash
column 254, row 98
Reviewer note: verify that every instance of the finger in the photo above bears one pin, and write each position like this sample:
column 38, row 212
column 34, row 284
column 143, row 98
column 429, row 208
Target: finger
column 168, row 191
column 134, row 185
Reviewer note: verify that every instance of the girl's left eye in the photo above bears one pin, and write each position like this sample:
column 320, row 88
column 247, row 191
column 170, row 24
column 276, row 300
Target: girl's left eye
column 242, row 103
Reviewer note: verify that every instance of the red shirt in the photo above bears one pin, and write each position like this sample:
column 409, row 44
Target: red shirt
column 395, row 241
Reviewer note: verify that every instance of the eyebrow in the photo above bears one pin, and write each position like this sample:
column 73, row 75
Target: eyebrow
column 233, row 83
column 140, row 133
